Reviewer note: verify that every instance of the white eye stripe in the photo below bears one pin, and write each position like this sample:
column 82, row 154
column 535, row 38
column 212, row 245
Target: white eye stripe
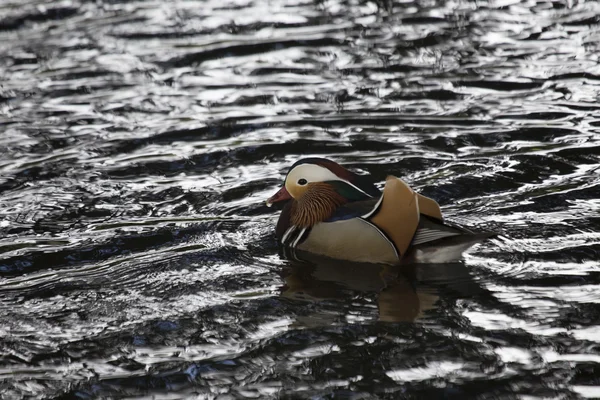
column 312, row 173
column 316, row 173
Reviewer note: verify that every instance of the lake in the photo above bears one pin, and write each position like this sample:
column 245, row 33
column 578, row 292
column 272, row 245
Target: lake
column 139, row 141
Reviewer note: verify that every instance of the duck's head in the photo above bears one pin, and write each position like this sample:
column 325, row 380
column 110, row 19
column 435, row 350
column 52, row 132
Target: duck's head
column 319, row 186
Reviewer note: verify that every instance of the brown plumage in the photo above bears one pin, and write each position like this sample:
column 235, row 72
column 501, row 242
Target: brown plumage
column 316, row 205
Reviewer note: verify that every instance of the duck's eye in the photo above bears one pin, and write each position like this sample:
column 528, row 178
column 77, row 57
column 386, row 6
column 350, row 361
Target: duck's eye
column 302, row 182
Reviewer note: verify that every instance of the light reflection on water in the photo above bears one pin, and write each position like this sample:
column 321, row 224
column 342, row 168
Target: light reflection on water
column 140, row 140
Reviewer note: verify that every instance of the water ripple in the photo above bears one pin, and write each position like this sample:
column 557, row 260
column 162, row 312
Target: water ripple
column 141, row 139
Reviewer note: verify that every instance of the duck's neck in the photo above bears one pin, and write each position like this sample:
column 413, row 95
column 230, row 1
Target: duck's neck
column 316, row 205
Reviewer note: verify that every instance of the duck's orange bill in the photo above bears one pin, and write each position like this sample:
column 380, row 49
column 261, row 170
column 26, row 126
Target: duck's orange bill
column 281, row 195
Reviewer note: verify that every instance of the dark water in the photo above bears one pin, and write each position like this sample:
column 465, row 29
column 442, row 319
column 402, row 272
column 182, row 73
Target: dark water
column 140, row 139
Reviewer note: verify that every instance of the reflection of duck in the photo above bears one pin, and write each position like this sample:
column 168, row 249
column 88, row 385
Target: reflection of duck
column 404, row 293
column 336, row 213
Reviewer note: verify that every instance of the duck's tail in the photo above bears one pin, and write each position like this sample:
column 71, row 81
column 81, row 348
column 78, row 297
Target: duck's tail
column 436, row 242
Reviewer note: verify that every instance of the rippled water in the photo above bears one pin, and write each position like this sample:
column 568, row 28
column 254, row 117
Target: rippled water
column 140, row 139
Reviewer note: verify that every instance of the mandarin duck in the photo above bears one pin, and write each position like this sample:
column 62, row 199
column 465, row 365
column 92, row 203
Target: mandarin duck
column 333, row 212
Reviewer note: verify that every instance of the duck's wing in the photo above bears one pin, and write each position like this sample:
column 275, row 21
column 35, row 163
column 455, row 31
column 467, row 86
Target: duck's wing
column 355, row 209
column 366, row 208
column 406, row 218
column 429, row 207
column 431, row 230
column 436, row 242
column 397, row 214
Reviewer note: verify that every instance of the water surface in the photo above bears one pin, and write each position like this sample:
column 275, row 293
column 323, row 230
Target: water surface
column 140, row 139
